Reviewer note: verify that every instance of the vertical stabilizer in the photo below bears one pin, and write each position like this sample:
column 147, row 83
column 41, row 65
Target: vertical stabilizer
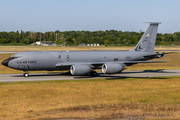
column 147, row 41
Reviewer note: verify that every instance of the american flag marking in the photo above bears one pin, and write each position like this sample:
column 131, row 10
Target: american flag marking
column 147, row 35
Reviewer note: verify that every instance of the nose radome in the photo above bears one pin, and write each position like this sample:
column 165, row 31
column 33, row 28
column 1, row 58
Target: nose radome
column 5, row 62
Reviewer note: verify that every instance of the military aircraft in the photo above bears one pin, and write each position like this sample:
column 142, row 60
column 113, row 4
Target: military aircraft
column 85, row 62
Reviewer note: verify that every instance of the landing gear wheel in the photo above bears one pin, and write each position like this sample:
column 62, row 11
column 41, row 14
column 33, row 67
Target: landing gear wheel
column 93, row 73
column 26, row 74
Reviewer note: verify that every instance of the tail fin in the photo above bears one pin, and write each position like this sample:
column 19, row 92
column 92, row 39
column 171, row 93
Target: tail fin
column 147, row 41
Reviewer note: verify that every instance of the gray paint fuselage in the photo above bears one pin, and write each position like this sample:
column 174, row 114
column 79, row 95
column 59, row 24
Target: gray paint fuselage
column 48, row 60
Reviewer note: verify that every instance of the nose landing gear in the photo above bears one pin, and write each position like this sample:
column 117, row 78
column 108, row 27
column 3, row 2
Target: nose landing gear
column 26, row 74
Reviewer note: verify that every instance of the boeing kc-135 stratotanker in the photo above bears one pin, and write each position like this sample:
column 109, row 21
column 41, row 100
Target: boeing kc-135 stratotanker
column 85, row 62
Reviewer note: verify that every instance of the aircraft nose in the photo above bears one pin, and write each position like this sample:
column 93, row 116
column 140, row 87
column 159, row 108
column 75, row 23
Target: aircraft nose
column 5, row 62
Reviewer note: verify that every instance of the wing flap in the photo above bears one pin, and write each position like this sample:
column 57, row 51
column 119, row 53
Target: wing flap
column 143, row 62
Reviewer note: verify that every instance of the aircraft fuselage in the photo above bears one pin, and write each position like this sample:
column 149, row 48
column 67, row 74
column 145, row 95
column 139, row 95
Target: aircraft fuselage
column 30, row 61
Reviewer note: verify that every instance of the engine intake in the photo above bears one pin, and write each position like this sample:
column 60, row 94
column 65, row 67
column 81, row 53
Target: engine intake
column 80, row 69
column 112, row 68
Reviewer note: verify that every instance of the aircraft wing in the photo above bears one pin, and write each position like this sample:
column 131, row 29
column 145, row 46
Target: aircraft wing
column 142, row 62
column 129, row 63
column 93, row 64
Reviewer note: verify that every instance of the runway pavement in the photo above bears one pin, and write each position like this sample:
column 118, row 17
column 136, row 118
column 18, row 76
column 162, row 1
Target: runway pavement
column 67, row 76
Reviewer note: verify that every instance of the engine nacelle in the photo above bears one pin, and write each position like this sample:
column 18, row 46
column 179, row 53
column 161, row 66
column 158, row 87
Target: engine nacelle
column 80, row 69
column 112, row 68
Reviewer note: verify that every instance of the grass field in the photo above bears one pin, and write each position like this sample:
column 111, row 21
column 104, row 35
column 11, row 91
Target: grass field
column 133, row 98
column 58, row 48
column 121, row 98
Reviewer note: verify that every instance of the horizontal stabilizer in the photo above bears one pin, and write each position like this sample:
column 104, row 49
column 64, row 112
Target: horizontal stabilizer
column 166, row 53
column 159, row 55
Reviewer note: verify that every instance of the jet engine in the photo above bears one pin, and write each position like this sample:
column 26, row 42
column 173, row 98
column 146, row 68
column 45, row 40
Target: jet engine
column 80, row 69
column 112, row 68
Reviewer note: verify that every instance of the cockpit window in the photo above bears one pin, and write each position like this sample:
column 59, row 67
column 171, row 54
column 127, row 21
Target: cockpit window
column 13, row 57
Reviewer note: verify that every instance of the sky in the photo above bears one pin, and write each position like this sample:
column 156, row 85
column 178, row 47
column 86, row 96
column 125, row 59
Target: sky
column 89, row 15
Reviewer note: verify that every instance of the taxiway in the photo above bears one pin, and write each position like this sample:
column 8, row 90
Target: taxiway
column 67, row 76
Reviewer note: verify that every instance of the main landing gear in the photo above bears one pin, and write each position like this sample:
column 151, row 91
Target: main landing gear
column 93, row 73
column 26, row 74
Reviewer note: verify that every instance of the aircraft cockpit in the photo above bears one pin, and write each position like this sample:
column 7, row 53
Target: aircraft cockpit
column 5, row 62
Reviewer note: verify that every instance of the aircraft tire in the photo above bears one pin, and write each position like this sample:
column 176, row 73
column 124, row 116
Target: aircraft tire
column 93, row 73
column 26, row 75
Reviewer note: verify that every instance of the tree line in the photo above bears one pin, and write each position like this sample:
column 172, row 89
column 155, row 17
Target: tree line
column 108, row 37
